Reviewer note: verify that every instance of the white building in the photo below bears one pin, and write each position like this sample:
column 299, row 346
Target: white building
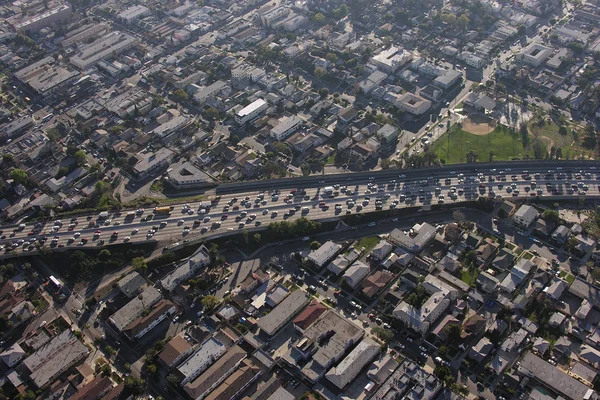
column 210, row 350
column 535, row 54
column 423, row 318
column 323, row 254
column 345, row 372
column 286, row 126
column 189, row 268
column 525, row 216
column 356, row 273
column 412, row 104
column 113, row 43
column 133, row 13
column 392, row 59
column 251, row 111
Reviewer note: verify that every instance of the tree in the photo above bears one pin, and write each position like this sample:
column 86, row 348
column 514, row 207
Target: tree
column 450, row 18
column 320, row 72
column 385, row 335
column 318, row 18
column 80, row 157
column 524, row 134
column 453, row 333
column 133, row 385
column 257, row 238
column 331, row 57
column 139, row 264
column 212, row 113
column 562, row 130
column 210, row 303
column 323, row 92
column 180, row 96
column 442, row 351
column 551, row 216
column 104, row 254
column 18, row 175
column 463, row 21
column 151, row 368
column 315, row 245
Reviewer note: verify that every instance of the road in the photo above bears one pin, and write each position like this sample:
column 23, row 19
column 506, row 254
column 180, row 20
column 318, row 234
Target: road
column 417, row 189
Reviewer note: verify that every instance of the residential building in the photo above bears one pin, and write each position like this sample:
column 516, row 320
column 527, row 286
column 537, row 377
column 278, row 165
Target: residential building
column 94, row 390
column 342, row 374
column 135, row 308
column 324, row 253
column 54, row 357
column 416, row 240
column 235, row 383
column 525, row 216
column 286, row 126
column 175, row 351
column 133, row 13
column 381, row 250
column 356, row 273
column 382, row 368
column 46, row 76
column 187, row 269
column 105, row 47
column 251, row 111
column 309, row 315
column 200, row 360
column 376, row 282
column 390, row 60
column 517, row 275
column 534, row 367
column 481, row 350
column 295, row 302
column 412, row 103
column 207, row 93
column 215, row 374
column 340, row 334
column 54, row 16
column 422, row 319
column 535, row 54
column 150, row 162
column 131, row 284
column 186, row 175
column 448, row 79
column 343, row 261
column 409, row 381
column 372, row 82
column 12, row 355
column 144, row 324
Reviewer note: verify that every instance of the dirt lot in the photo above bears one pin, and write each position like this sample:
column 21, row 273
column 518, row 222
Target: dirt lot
column 477, row 124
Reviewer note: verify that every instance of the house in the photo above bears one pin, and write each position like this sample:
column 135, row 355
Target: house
column 481, row 350
column 175, row 351
column 441, row 329
column 144, row 324
column 504, row 259
column 540, row 346
column 284, row 312
column 376, row 282
column 132, row 284
column 54, row 357
column 135, row 308
column 355, row 273
column 187, row 269
column 556, row 288
column 381, row 250
column 324, row 253
column 517, row 275
column 343, row 373
column 12, row 355
column 590, row 356
column 416, row 240
column 525, row 216
column 560, row 235
column 543, row 228
column 310, row 314
column 382, row 368
column 200, row 360
column 485, row 251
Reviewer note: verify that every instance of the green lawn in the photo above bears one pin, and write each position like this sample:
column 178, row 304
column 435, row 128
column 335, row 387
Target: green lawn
column 469, row 277
column 368, row 242
column 500, row 145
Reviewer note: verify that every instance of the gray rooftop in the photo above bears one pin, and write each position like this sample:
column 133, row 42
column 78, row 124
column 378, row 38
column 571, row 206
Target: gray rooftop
column 132, row 310
column 284, row 312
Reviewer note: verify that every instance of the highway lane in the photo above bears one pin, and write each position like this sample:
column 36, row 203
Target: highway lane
column 422, row 191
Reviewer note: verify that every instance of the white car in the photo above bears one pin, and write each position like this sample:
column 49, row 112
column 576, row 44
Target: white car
column 76, row 234
column 180, row 222
column 206, row 219
column 126, row 239
column 134, row 231
column 371, row 224
column 265, row 212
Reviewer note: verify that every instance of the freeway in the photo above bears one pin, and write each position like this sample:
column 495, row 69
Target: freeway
column 268, row 201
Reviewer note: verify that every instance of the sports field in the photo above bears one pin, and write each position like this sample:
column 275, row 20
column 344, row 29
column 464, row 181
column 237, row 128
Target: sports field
column 459, row 146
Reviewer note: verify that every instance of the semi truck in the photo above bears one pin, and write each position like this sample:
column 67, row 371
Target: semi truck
column 162, row 210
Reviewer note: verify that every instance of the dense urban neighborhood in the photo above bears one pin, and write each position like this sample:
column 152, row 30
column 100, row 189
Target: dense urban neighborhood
column 278, row 200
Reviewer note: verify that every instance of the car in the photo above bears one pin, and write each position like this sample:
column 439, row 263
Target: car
column 134, row 231
column 372, row 224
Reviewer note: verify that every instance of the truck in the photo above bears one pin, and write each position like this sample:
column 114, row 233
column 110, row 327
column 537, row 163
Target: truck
column 327, row 190
column 161, row 210
column 103, row 215
column 130, row 215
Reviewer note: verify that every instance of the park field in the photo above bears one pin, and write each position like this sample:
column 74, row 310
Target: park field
column 459, row 146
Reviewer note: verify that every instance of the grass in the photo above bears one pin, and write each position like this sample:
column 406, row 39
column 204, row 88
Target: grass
column 453, row 146
column 368, row 242
column 331, row 158
column 548, row 134
column 469, row 277
column 570, row 279
column 527, row 255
